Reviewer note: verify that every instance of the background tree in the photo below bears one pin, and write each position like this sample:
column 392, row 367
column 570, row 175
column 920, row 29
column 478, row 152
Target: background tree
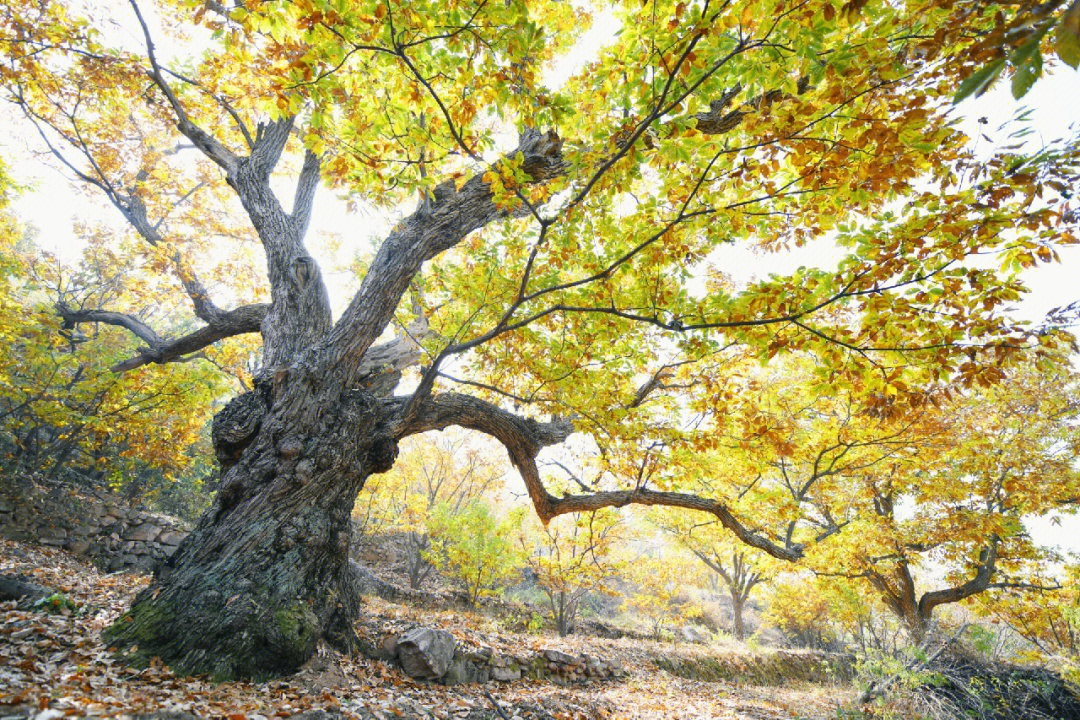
column 844, row 485
column 63, row 414
column 1049, row 620
column 572, row 558
column 442, row 471
column 475, row 547
column 1006, row 452
column 739, row 569
column 561, row 269
column 801, row 613
column 661, row 595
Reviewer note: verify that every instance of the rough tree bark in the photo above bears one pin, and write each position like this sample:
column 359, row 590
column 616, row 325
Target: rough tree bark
column 265, row 575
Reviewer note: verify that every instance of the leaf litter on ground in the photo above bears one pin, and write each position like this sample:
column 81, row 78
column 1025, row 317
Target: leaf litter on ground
column 54, row 665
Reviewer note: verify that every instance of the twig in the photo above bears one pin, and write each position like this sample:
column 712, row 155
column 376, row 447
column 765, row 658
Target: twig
column 876, row 689
column 494, row 704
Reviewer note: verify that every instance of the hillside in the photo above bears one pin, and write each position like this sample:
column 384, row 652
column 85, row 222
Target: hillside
column 54, row 665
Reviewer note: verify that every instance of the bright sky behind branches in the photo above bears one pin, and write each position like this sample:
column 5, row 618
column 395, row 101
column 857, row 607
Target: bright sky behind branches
column 338, row 234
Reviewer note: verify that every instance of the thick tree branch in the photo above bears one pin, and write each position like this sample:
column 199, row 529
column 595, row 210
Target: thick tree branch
column 435, row 227
column 270, row 139
column 641, row 496
column 242, row 320
column 524, row 438
column 984, row 573
column 304, row 199
column 131, row 323
column 300, row 303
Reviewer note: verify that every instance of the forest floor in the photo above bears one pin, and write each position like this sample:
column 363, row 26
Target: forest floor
column 55, row 665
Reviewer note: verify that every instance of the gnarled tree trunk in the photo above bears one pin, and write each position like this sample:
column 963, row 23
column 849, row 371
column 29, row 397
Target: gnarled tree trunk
column 265, row 574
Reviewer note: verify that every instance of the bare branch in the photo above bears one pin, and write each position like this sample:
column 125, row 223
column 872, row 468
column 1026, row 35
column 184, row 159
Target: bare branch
column 242, row 320
column 209, row 145
column 524, row 438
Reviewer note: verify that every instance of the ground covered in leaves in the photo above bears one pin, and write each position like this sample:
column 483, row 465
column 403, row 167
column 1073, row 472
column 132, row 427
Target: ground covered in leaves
column 53, row 665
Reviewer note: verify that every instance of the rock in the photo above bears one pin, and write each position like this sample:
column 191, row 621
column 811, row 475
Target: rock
column 387, row 647
column 146, row 532
column 557, row 656
column 505, row 674
column 15, row 587
column 426, row 653
column 171, row 537
column 481, row 654
column 464, row 669
column 79, row 547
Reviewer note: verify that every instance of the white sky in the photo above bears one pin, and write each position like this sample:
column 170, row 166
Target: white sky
column 51, row 206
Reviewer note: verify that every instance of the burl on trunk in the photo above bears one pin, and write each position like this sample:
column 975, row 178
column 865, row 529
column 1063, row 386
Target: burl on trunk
column 265, row 575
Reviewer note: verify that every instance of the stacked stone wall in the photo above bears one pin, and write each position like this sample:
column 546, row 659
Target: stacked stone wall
column 95, row 524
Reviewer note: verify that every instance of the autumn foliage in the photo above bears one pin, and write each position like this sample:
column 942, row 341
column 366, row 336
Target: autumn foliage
column 584, row 252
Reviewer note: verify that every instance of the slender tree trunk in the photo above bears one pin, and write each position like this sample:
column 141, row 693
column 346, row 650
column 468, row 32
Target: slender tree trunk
column 419, row 568
column 265, row 575
column 737, row 616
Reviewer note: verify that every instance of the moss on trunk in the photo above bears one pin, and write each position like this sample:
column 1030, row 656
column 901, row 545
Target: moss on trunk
column 265, row 574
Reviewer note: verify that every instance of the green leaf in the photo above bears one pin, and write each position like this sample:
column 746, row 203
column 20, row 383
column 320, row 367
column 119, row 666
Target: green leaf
column 1026, row 75
column 980, row 80
column 1027, row 59
column 1067, row 36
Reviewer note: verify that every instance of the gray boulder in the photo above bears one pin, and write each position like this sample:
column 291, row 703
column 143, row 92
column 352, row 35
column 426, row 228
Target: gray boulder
column 426, row 653
column 467, row 668
column 16, row 587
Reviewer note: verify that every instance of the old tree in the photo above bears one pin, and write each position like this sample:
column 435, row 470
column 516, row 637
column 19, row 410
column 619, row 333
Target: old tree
column 565, row 218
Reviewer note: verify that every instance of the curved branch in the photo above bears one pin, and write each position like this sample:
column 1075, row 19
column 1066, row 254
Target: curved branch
column 523, row 439
column 131, row 323
column 619, row 498
column 435, row 227
column 977, row 584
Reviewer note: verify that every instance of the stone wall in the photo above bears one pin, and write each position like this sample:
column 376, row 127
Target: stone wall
column 434, row 654
column 95, row 524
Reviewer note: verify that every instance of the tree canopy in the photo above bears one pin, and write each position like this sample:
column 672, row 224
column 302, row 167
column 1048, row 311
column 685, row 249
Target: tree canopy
column 564, row 248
